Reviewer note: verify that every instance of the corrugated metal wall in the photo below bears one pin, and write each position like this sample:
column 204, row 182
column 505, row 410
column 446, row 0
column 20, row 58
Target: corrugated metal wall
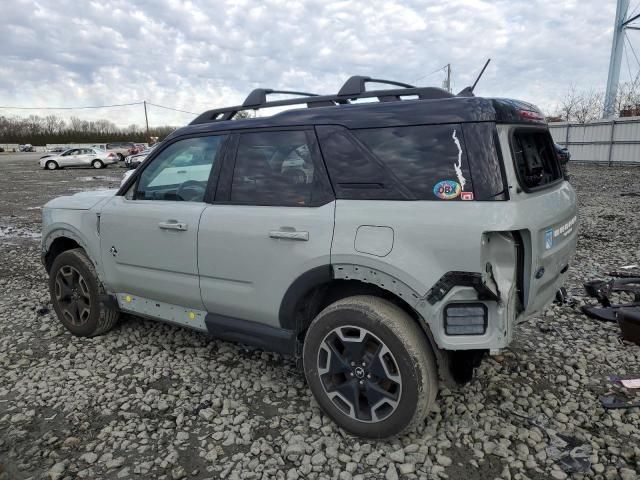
column 606, row 141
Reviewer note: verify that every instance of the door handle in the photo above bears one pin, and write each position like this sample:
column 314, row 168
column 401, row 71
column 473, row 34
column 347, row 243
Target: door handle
column 173, row 225
column 290, row 235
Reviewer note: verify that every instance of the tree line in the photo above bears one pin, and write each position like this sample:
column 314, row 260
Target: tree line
column 588, row 105
column 38, row 130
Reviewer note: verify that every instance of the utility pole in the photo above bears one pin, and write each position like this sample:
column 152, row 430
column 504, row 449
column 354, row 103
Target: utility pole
column 447, row 82
column 621, row 25
column 146, row 118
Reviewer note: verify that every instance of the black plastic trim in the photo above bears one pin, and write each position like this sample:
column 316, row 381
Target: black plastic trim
column 297, row 290
column 265, row 337
column 462, row 279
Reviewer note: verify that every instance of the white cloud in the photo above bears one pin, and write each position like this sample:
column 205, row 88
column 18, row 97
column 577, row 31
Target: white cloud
column 200, row 54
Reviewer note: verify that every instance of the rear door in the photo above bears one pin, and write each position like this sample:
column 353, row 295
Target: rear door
column 272, row 221
column 149, row 236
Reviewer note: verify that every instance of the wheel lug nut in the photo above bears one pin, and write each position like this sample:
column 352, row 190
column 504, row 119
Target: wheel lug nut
column 369, row 376
column 352, row 374
column 353, row 364
column 361, row 382
column 364, row 364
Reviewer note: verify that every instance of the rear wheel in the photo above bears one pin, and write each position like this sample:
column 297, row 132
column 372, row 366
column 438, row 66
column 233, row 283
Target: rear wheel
column 51, row 165
column 75, row 293
column 97, row 164
column 370, row 367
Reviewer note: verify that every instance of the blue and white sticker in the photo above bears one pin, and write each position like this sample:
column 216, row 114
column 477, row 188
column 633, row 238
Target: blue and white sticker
column 548, row 239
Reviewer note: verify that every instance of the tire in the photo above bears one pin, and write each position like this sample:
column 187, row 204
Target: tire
column 51, row 165
column 120, row 157
column 97, row 164
column 403, row 365
column 72, row 279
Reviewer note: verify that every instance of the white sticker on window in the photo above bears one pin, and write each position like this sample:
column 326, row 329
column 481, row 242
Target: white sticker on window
column 458, row 166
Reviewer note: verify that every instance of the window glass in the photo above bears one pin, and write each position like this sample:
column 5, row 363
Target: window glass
column 72, row 152
column 355, row 174
column 430, row 160
column 485, row 161
column 273, row 168
column 181, row 171
column 535, row 158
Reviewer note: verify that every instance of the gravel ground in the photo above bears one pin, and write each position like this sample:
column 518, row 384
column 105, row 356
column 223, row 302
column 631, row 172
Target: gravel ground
column 149, row 400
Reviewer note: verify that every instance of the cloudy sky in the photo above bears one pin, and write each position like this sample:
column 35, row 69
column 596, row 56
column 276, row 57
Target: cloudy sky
column 200, row 54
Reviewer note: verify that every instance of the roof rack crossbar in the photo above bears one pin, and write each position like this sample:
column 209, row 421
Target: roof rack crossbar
column 258, row 96
column 355, row 85
column 312, row 100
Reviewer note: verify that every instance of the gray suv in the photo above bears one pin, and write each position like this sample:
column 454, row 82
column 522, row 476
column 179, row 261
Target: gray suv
column 387, row 245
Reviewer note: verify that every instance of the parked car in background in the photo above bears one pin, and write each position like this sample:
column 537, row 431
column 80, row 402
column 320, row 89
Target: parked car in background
column 79, row 157
column 564, row 156
column 137, row 148
column 27, row 147
column 132, row 161
column 1, row 149
column 121, row 149
column 57, row 149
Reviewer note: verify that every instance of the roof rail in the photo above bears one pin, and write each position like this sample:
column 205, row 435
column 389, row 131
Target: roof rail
column 259, row 96
column 354, row 88
column 355, row 85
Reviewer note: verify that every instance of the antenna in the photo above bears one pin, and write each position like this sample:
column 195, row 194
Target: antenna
column 468, row 91
column 481, row 72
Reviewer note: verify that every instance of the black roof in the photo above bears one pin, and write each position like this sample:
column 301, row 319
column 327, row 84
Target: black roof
column 426, row 105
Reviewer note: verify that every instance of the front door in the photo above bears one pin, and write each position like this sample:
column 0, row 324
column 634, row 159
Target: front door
column 272, row 221
column 69, row 158
column 149, row 236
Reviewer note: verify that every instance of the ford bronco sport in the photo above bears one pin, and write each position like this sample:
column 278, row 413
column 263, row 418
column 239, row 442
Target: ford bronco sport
column 388, row 245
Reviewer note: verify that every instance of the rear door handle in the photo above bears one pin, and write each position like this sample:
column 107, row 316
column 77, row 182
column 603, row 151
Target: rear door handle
column 173, row 225
column 290, row 235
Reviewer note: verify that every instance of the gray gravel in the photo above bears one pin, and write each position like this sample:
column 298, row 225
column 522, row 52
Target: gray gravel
column 150, row 400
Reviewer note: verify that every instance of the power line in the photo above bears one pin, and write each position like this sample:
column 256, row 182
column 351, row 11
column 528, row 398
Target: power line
column 169, row 108
column 429, row 74
column 632, row 49
column 626, row 56
column 70, row 108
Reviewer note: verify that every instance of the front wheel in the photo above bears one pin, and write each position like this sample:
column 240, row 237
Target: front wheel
column 370, row 367
column 97, row 164
column 51, row 165
column 75, row 294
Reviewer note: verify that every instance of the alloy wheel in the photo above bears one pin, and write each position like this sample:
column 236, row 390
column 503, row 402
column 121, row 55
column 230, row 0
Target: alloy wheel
column 359, row 374
column 72, row 295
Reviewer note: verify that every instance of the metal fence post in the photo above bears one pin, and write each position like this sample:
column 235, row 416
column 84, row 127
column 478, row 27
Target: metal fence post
column 613, row 127
column 566, row 138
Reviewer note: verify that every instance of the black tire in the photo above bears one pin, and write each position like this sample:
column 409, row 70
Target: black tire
column 120, row 157
column 411, row 359
column 97, row 164
column 95, row 318
column 51, row 165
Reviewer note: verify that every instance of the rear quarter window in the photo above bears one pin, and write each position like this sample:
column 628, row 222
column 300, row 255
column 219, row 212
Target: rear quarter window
column 430, row 160
column 534, row 158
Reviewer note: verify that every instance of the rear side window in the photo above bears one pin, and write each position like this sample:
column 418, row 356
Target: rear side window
column 429, row 160
column 354, row 172
column 535, row 158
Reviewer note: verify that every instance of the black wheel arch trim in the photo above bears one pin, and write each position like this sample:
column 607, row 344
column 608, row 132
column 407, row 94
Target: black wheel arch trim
column 302, row 285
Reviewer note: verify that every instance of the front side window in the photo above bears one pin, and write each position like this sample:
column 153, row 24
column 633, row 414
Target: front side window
column 71, row 152
column 535, row 158
column 273, row 168
column 181, row 171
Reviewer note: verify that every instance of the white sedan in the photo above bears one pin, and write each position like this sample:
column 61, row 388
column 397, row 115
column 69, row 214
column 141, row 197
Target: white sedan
column 79, row 157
